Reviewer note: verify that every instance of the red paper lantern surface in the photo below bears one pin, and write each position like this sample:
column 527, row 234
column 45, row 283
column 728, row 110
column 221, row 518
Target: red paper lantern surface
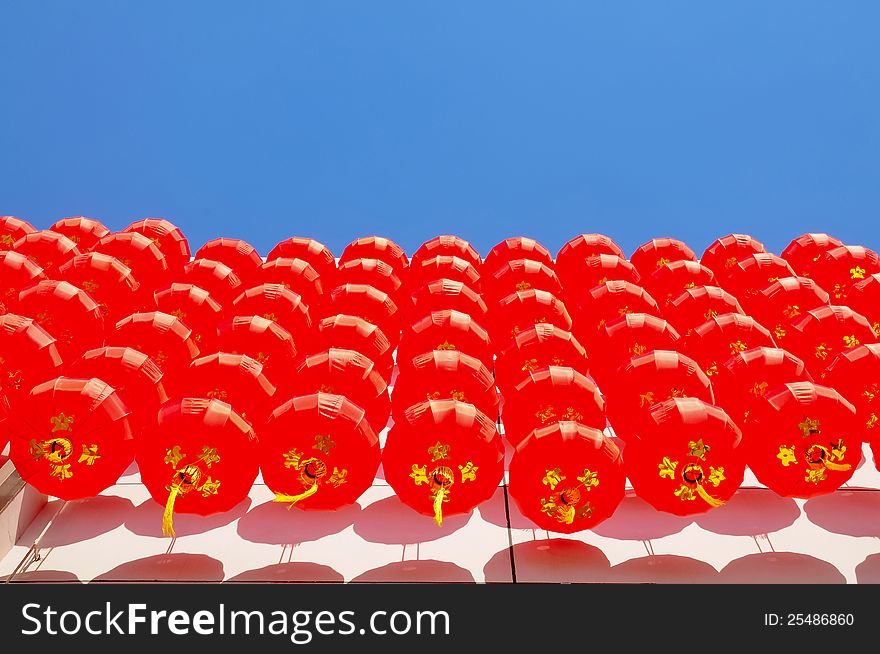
column 443, row 458
column 318, row 452
column 855, row 374
column 511, row 249
column 822, row 333
column 216, row 278
column 805, row 250
column 348, row 373
column 445, row 375
column 864, row 298
column 135, row 377
column 310, row 250
column 300, row 277
column 446, row 246
column 202, row 460
column 723, row 253
column 626, row 337
column 29, row 355
column 71, row 438
column 785, row 301
column 584, row 274
column 446, row 330
column 658, row 252
column 669, row 280
column 371, row 304
column 569, row 259
column 354, row 333
column 446, row 294
column 17, row 272
column 196, row 308
column 47, row 249
column 647, row 380
column 522, row 309
column 110, row 283
column 236, row 253
column 277, row 303
column 376, row 247
column 803, row 440
column 548, row 395
column 687, row 458
column 166, row 236
column 141, row 255
column 748, row 376
column 599, row 304
column 539, row 346
column 263, row 340
column 567, row 477
column 422, row 271
column 838, row 270
column 375, row 273
column 12, row 229
column 694, row 306
column 521, row 275
column 721, row 337
column 85, row 232
column 68, row 313
column 752, row 274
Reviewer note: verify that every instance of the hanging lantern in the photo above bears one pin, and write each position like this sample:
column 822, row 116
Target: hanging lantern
column 855, row 374
column 658, row 252
column 446, row 330
column 569, row 259
column 162, row 337
column 669, row 280
column 687, row 458
column 140, row 254
column 447, row 246
column 375, row 273
column 236, row 253
column 71, row 438
column 12, row 229
column 647, row 380
column 785, row 301
column 521, row 275
column 47, row 249
column 298, row 276
column 29, row 355
column 626, row 337
column 275, row 302
column 134, row 376
column 443, row 458
column 838, row 270
column 548, row 395
column 110, row 283
column 513, row 249
column 202, row 460
column 354, row 333
column 804, row 251
column 319, row 452
column 85, row 232
column 595, row 306
column 522, row 309
column 864, row 298
column 724, row 336
column 446, row 294
column 802, row 440
column 369, row 303
column 17, row 272
column 539, row 346
column 68, row 313
column 347, row 373
column 376, row 247
column 752, row 274
column 595, row 270
column 263, row 340
column 196, row 308
column 566, row 477
column 310, row 250
column 445, row 375
column 821, row 333
column 166, row 236
column 724, row 252
column 216, row 278
column 422, row 271
column 748, row 376
column 694, row 306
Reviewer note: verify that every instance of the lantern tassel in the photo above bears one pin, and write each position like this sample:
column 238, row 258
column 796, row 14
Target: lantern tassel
column 708, row 499
column 293, row 499
column 438, row 506
column 837, row 466
column 168, row 516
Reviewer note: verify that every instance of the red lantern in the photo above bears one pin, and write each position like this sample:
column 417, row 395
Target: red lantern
column 548, row 395
column 567, row 477
column 802, row 440
column 263, row 340
column 647, row 380
column 657, row 252
column 354, row 333
column 29, row 355
column 821, row 333
column 512, row 249
column 445, row 375
column 724, row 252
column 752, row 274
column 522, row 309
column 838, row 270
column 85, row 232
column 196, row 308
column 447, row 294
column 47, row 249
column 784, row 301
column 669, row 280
column 135, row 377
column 376, row 247
column 626, row 337
column 164, row 338
column 369, row 303
column 687, row 457
column 236, row 253
column 855, row 374
column 805, row 250
column 109, row 282
column 166, row 236
column 569, row 259
column 216, row 278
column 71, row 438
column 446, row 246
column 595, row 270
column 864, row 298
column 446, row 330
column 275, row 302
column 12, row 229
column 136, row 251
column 17, row 272
column 68, row 313
column 347, row 373
column 749, row 375
column 422, row 271
column 375, row 273
column 694, row 306
column 539, row 346
column 521, row 275
column 596, row 306
column 202, row 460
column 310, row 250
column 724, row 336
column 298, row 276
column 319, row 452
column 443, row 458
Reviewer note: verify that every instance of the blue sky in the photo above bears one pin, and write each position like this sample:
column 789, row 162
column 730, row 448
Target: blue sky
column 410, row 119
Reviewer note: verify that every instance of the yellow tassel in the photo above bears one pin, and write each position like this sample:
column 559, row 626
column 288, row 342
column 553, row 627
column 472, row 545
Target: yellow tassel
column 708, row 499
column 168, row 516
column 438, row 506
column 839, row 467
column 293, row 499
column 566, row 516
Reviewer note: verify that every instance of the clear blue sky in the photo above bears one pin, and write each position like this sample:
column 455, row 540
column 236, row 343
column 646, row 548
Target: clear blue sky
column 262, row 120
